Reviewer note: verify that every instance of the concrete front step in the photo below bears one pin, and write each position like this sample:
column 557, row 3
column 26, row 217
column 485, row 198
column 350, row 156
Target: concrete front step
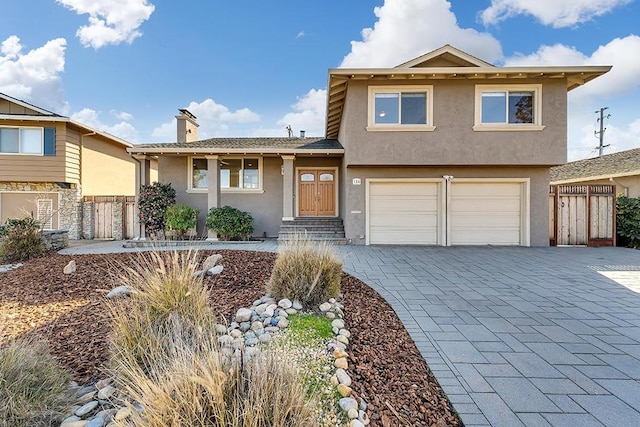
column 323, row 229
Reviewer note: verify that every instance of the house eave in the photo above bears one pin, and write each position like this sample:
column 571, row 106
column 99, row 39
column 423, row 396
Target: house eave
column 339, row 79
column 595, row 177
column 222, row 151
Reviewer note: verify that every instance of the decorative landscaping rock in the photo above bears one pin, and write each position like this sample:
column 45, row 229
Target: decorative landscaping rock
column 338, row 323
column 283, row 323
column 352, row 414
column 341, row 363
column 345, row 391
column 86, row 408
column 297, row 305
column 8, row 267
column 70, row 268
column 211, row 261
column 71, row 419
column 243, row 315
column 220, row 329
column 356, row 423
column 285, row 303
column 347, row 403
column 343, row 377
column 106, row 392
column 324, row 307
column 120, row 291
column 215, row 270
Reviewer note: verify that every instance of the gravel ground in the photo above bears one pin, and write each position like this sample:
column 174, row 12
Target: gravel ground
column 70, row 312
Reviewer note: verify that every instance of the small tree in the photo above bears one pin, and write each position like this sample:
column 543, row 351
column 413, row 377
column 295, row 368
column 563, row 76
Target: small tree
column 628, row 220
column 230, row 223
column 181, row 218
column 153, row 202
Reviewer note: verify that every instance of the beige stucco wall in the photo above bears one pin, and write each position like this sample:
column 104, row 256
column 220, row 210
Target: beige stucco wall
column 265, row 207
column 107, row 168
column 454, row 142
column 625, row 185
column 355, row 198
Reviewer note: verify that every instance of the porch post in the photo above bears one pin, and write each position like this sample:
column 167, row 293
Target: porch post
column 213, row 186
column 143, row 177
column 288, row 179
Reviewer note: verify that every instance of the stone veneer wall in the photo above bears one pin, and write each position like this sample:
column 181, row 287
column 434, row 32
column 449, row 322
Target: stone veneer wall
column 55, row 240
column 69, row 205
column 88, row 221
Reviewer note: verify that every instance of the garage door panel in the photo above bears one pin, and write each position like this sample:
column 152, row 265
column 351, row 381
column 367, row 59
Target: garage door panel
column 485, row 213
column 403, row 213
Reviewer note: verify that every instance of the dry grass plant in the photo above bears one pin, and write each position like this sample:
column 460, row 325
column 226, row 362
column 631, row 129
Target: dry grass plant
column 34, row 389
column 305, row 270
column 165, row 355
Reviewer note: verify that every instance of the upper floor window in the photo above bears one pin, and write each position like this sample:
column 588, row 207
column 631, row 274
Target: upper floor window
column 236, row 174
column 508, row 107
column 21, row 140
column 400, row 108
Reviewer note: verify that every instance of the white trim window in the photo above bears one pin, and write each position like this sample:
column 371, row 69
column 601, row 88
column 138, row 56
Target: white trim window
column 406, row 108
column 22, row 140
column 237, row 174
column 508, row 107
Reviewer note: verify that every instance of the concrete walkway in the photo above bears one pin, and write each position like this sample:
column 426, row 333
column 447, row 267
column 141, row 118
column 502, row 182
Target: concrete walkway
column 515, row 336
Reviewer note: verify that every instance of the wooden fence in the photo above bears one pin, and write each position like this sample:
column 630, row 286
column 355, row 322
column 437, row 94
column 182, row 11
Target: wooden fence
column 582, row 215
column 110, row 217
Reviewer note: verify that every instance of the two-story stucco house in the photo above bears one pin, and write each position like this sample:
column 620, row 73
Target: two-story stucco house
column 444, row 149
column 49, row 162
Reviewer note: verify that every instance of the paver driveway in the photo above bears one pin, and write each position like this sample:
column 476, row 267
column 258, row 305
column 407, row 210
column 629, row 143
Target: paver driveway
column 520, row 336
column 515, row 336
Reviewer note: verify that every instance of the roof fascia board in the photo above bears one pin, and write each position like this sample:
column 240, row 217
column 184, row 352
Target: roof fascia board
column 596, row 177
column 469, row 70
column 19, row 117
column 442, row 50
column 26, row 105
column 169, row 150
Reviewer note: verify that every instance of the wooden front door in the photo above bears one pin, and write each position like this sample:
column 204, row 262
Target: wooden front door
column 316, row 192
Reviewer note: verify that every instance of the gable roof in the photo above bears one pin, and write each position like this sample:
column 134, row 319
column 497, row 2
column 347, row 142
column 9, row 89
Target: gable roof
column 26, row 105
column 424, row 68
column 448, row 54
column 48, row 116
column 276, row 145
column 623, row 163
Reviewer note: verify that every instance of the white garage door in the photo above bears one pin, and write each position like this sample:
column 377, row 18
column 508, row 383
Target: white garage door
column 486, row 213
column 404, row 213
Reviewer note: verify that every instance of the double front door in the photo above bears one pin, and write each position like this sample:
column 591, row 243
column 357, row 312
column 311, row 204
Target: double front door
column 316, row 192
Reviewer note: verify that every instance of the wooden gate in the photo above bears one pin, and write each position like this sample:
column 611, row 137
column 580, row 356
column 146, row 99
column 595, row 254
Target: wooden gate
column 113, row 216
column 582, row 215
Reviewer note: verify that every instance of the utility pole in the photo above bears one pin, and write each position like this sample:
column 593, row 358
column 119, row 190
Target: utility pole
column 600, row 134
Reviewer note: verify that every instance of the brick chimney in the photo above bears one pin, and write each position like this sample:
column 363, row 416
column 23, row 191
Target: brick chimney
column 187, row 126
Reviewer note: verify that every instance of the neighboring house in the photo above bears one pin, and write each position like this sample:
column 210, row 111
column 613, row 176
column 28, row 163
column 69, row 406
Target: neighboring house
column 49, row 162
column 445, row 149
column 621, row 169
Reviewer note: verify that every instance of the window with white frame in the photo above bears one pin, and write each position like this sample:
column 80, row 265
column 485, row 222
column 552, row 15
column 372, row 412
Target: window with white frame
column 400, row 108
column 508, row 107
column 21, row 140
column 236, row 174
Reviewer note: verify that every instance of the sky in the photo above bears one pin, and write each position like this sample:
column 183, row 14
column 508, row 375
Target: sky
column 251, row 68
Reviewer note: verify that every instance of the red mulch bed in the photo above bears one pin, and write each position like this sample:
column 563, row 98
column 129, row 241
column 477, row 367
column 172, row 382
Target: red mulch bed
column 70, row 311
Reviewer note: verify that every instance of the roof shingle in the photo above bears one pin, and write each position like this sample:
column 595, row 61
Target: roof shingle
column 610, row 164
column 250, row 144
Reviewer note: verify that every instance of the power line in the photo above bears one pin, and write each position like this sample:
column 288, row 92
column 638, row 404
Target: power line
column 600, row 134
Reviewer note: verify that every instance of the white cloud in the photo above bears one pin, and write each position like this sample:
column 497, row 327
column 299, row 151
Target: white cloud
column 34, row 76
column 300, row 34
column 110, row 21
column 122, row 115
column 616, row 138
column 557, row 13
column 123, row 129
column 213, row 118
column 408, row 28
column 623, row 77
column 308, row 114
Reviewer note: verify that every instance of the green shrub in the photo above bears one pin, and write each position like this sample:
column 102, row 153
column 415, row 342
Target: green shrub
column 230, row 223
column 306, row 271
column 628, row 220
column 33, row 387
column 21, row 240
column 181, row 218
column 153, row 202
